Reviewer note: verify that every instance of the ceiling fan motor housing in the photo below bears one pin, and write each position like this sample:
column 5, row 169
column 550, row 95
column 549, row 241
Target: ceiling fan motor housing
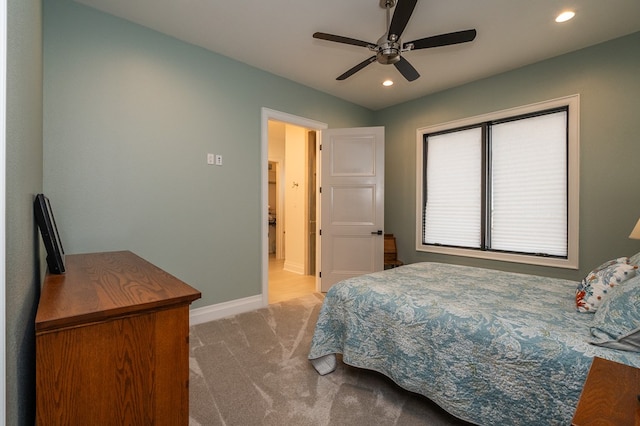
column 388, row 52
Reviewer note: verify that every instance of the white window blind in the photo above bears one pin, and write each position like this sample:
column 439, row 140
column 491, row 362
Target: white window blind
column 454, row 192
column 503, row 186
column 529, row 185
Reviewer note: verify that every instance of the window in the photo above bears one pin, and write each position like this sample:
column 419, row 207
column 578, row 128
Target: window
column 502, row 186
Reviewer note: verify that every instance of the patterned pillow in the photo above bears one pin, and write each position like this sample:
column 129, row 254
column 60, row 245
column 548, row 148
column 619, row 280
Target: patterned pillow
column 616, row 324
column 635, row 259
column 594, row 287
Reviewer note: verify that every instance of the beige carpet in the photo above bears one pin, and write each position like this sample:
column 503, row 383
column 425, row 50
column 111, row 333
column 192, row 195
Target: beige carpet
column 252, row 369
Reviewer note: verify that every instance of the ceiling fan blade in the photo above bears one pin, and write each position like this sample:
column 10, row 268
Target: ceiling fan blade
column 401, row 15
column 406, row 69
column 443, row 40
column 357, row 68
column 341, row 39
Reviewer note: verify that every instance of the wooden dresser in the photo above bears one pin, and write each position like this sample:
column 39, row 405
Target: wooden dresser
column 112, row 343
column 609, row 396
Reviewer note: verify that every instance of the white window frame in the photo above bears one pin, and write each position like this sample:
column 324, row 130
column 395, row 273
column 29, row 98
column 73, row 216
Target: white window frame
column 573, row 182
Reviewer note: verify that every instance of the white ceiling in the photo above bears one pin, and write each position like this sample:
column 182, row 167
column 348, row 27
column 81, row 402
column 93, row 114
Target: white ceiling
column 276, row 36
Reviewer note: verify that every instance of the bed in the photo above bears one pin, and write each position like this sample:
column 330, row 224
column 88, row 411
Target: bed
column 490, row 347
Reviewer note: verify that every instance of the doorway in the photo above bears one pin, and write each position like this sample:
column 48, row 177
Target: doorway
column 295, row 187
column 291, row 210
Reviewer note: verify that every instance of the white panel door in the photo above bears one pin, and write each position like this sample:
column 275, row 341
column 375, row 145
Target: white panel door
column 352, row 203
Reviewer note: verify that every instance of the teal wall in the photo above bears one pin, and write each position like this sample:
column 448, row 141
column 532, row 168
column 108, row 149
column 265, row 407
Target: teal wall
column 130, row 115
column 607, row 77
column 23, row 181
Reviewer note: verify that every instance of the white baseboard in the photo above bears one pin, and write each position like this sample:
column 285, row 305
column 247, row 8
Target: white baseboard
column 297, row 268
column 224, row 309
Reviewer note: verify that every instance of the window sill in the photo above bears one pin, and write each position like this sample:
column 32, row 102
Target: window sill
column 570, row 263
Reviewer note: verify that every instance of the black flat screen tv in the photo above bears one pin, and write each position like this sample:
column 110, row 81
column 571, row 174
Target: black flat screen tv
column 49, row 231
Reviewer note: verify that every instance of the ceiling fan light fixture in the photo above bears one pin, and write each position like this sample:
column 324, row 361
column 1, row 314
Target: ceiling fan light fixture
column 565, row 16
column 387, row 83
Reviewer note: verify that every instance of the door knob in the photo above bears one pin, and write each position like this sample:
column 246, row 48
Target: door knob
column 378, row 232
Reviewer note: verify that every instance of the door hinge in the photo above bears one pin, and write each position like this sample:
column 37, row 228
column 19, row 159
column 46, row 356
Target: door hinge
column 320, row 274
column 319, row 231
column 320, row 190
column 320, row 147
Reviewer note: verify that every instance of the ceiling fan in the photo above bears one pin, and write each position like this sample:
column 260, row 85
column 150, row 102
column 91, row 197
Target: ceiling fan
column 389, row 47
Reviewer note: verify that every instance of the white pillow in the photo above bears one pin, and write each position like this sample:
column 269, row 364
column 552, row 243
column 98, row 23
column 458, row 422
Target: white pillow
column 593, row 289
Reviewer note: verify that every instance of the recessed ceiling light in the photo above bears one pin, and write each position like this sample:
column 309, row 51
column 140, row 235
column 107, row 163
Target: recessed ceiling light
column 387, row 83
column 565, row 16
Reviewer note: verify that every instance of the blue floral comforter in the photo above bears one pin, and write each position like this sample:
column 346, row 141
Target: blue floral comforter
column 490, row 347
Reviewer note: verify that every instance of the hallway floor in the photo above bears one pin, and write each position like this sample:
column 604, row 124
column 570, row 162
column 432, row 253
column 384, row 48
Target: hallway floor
column 285, row 285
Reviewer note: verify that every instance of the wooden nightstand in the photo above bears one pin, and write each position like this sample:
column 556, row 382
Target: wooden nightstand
column 609, row 396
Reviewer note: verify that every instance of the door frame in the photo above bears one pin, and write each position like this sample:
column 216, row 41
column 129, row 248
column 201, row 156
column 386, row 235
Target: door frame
column 266, row 115
column 279, row 207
